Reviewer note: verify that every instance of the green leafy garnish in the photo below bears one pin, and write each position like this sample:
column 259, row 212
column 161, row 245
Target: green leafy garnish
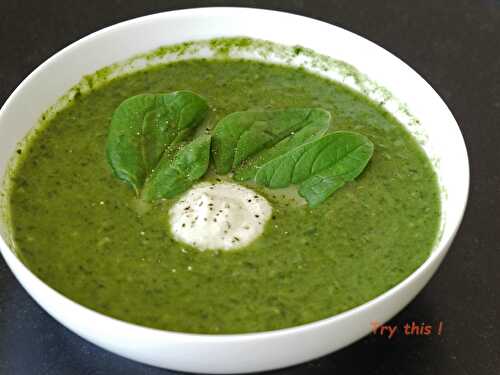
column 320, row 167
column 309, row 133
column 177, row 174
column 287, row 147
column 150, row 147
column 147, row 128
column 241, row 135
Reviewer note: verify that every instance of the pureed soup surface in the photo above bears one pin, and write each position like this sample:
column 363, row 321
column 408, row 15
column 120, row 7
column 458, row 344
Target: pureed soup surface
column 85, row 234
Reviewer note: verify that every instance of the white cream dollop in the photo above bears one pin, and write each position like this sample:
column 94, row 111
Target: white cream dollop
column 222, row 216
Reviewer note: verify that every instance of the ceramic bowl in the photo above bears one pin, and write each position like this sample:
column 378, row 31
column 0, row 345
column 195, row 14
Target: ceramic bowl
column 409, row 94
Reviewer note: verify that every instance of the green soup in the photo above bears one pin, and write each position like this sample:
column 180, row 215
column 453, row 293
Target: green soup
column 85, row 234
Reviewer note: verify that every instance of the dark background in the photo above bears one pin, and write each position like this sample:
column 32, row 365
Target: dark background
column 454, row 45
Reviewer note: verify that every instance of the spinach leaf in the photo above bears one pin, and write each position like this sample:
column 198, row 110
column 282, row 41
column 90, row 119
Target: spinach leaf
column 143, row 127
column 249, row 169
column 320, row 167
column 241, row 135
column 178, row 171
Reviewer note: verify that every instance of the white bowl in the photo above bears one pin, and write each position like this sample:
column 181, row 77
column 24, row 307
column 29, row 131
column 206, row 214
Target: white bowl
column 438, row 131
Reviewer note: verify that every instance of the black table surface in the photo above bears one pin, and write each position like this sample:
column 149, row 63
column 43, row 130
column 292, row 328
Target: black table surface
column 454, row 45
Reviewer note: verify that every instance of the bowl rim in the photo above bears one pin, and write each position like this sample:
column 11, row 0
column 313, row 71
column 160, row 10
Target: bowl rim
column 437, row 251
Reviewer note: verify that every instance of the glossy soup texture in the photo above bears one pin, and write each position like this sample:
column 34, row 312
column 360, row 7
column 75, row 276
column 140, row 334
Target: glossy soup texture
column 84, row 233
